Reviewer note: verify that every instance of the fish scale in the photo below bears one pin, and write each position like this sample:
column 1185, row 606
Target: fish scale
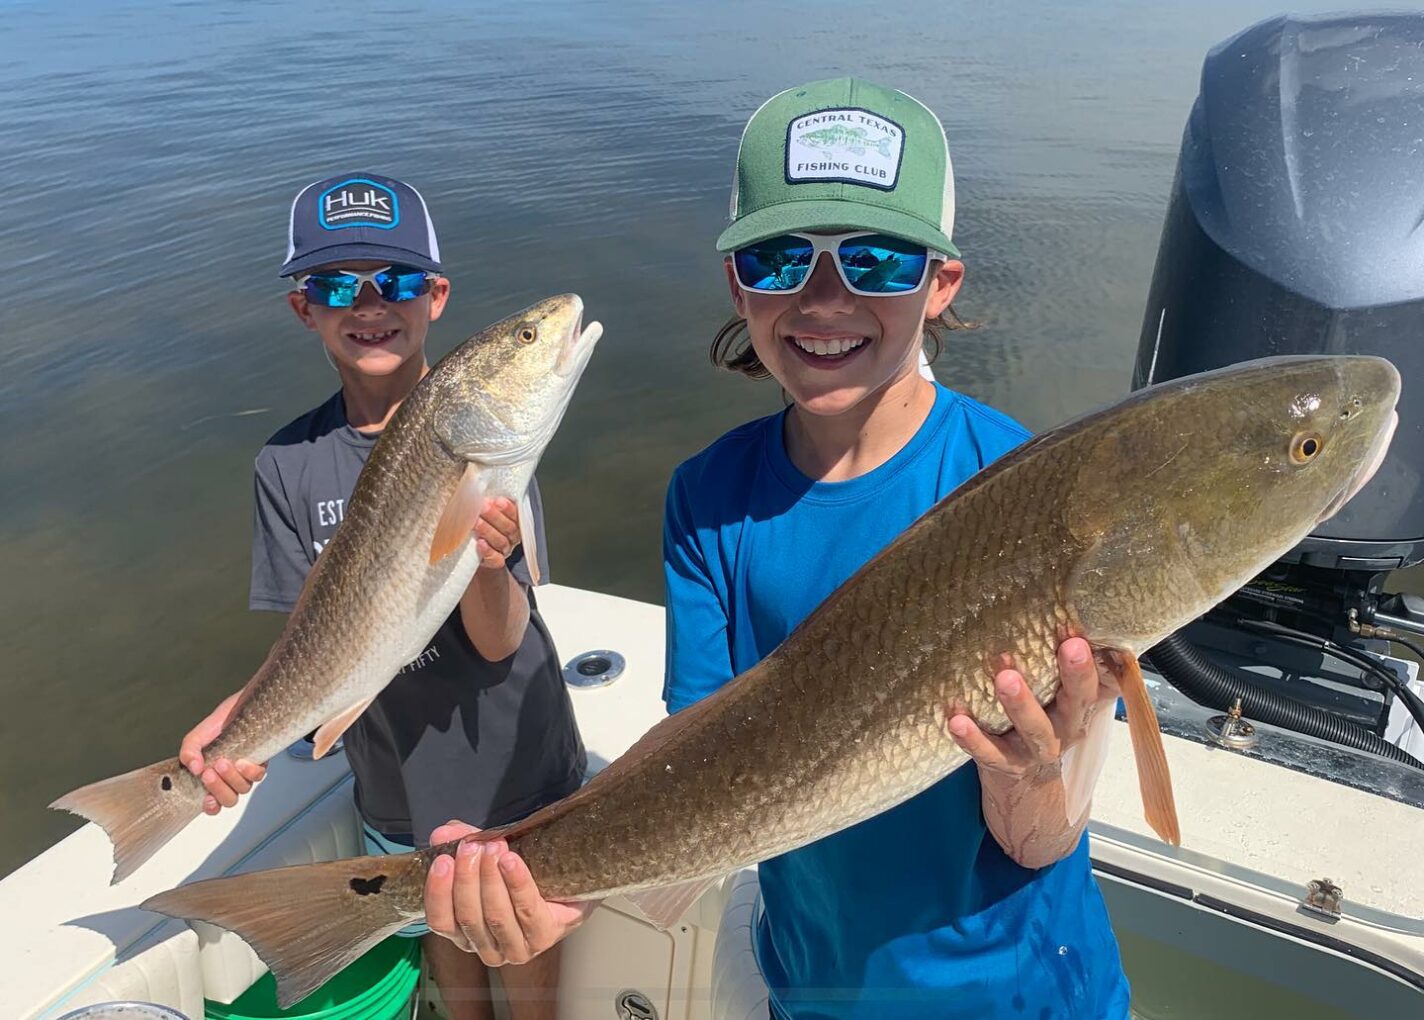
column 1093, row 529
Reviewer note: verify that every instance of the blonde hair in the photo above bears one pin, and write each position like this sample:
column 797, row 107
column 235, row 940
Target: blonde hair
column 732, row 346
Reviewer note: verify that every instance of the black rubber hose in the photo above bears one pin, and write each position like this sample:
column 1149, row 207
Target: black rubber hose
column 1206, row 683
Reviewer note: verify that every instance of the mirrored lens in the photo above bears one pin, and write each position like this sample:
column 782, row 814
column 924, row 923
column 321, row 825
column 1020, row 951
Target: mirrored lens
column 401, row 283
column 878, row 264
column 780, row 263
column 332, row 290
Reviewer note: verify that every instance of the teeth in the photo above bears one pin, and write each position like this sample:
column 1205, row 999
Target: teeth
column 373, row 337
column 827, row 347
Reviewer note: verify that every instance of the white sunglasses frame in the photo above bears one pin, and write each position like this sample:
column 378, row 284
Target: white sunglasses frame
column 830, row 244
column 362, row 279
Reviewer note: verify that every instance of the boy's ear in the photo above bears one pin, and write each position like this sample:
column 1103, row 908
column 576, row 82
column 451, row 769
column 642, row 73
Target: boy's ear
column 944, row 284
column 739, row 299
column 439, row 294
column 298, row 301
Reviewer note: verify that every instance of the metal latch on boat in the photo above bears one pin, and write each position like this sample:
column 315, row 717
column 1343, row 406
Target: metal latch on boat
column 1322, row 898
column 634, row 1005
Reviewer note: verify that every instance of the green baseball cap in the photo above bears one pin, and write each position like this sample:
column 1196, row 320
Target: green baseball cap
column 843, row 154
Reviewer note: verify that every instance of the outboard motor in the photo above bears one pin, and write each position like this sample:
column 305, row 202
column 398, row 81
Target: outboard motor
column 1296, row 226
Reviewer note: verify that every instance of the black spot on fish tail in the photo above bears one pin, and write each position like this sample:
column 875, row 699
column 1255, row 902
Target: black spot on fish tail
column 167, row 784
column 367, row 886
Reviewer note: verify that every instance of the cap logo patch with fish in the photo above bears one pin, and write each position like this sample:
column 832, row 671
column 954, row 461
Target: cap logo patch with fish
column 850, row 145
column 358, row 203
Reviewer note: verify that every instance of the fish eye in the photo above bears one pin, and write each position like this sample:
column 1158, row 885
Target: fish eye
column 527, row 333
column 1306, row 446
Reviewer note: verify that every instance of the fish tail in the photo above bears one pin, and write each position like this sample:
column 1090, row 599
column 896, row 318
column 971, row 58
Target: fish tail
column 884, row 146
column 306, row 922
column 139, row 810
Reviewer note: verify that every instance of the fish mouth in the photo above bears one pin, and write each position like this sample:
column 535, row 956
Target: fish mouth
column 578, row 347
column 1362, row 478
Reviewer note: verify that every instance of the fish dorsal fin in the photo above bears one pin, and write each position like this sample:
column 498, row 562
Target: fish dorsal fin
column 331, row 730
column 527, row 538
column 462, row 510
column 1153, row 776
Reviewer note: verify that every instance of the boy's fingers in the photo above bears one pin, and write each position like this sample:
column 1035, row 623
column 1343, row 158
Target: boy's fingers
column 251, row 771
column 1030, row 721
column 235, row 780
column 984, row 749
column 440, row 901
column 468, row 901
column 530, row 909
column 501, row 922
column 218, row 788
column 453, row 829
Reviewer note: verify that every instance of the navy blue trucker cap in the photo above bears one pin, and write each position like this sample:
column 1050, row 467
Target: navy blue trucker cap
column 360, row 217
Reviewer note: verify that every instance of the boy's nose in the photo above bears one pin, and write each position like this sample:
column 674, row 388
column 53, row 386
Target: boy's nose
column 824, row 290
column 367, row 298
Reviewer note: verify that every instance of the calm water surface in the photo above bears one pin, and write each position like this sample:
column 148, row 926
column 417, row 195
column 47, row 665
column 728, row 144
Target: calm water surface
column 149, row 154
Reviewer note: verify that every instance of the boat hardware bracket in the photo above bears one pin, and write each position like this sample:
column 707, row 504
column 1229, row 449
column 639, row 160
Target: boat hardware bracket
column 594, row 669
column 1230, row 730
column 1322, row 898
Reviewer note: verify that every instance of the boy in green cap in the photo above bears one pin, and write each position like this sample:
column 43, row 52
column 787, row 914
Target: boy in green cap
column 974, row 898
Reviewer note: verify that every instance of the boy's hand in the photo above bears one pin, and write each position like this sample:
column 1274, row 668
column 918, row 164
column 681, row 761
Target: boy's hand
column 224, row 780
column 1039, row 736
column 485, row 901
column 497, row 532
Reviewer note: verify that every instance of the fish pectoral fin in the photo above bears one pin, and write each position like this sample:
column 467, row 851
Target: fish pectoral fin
column 462, row 510
column 1153, row 776
column 1083, row 764
column 665, row 905
column 527, row 538
column 331, row 730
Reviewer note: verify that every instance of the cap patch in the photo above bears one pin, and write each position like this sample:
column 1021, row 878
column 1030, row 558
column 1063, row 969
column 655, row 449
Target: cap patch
column 358, row 203
column 849, row 145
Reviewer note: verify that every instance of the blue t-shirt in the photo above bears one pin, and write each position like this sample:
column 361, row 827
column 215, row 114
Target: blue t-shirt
column 916, row 912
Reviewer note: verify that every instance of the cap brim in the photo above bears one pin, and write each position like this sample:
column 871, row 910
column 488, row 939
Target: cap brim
column 832, row 215
column 362, row 252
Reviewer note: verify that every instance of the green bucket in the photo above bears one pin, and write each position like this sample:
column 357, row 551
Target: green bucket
column 378, row 986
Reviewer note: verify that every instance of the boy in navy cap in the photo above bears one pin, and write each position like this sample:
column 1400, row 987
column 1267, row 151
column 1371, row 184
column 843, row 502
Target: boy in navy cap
column 479, row 725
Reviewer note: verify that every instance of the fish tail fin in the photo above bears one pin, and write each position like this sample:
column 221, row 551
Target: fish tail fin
column 884, row 146
column 1153, row 776
column 306, row 922
column 139, row 810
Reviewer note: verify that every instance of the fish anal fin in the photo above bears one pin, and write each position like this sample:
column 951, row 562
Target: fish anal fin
column 330, row 731
column 527, row 538
column 461, row 512
column 665, row 905
column 1153, row 776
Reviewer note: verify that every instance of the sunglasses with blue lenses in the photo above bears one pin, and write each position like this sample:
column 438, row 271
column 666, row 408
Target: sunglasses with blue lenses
column 870, row 264
column 338, row 288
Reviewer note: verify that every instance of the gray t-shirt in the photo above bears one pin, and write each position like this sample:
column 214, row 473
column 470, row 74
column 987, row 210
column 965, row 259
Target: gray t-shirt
column 452, row 735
